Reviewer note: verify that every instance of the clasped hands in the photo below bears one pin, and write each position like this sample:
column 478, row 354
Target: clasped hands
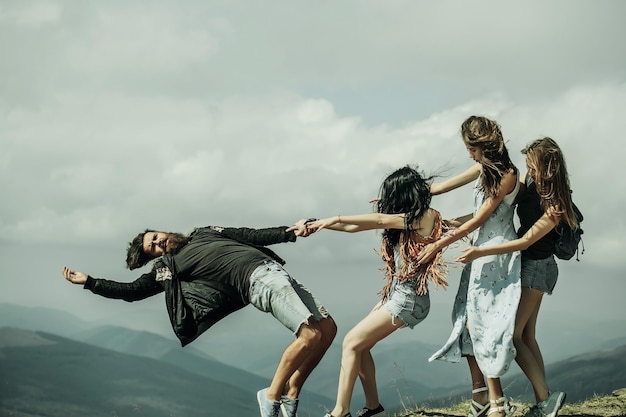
column 306, row 227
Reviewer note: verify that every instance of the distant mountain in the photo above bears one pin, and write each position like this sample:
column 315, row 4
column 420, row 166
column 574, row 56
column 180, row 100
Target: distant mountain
column 405, row 377
column 133, row 342
column 403, row 374
column 188, row 358
column 47, row 375
column 560, row 336
column 45, row 319
column 609, row 344
column 582, row 377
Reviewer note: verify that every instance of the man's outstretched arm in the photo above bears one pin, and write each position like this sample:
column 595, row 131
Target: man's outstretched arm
column 143, row 287
column 73, row 276
column 260, row 237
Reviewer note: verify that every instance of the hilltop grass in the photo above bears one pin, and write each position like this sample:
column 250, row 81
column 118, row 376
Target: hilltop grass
column 613, row 405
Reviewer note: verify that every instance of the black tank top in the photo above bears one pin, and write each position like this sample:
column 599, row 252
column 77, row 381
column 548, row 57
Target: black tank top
column 529, row 211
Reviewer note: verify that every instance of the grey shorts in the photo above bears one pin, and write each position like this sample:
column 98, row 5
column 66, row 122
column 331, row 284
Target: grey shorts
column 540, row 274
column 273, row 290
column 405, row 304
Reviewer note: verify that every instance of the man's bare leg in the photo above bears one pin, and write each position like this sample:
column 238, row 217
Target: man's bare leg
column 294, row 384
column 304, row 347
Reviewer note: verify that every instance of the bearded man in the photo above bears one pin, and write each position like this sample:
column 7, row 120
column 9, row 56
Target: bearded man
column 215, row 271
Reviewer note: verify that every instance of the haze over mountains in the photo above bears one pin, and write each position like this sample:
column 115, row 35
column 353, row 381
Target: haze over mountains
column 77, row 367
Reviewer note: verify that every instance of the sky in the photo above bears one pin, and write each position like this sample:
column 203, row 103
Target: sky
column 121, row 115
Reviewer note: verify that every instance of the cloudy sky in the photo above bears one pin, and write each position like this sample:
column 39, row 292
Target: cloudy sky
column 121, row 115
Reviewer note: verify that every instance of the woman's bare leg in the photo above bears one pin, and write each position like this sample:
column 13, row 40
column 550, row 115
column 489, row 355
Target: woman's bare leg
column 367, row 375
column 360, row 339
column 478, row 381
column 529, row 356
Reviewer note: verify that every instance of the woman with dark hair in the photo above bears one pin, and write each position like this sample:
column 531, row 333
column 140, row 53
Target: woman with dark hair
column 545, row 203
column 489, row 289
column 403, row 212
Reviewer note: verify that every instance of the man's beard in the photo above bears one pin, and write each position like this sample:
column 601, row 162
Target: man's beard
column 175, row 242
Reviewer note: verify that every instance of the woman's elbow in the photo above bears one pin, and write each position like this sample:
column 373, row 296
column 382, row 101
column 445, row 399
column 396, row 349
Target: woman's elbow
column 435, row 189
column 525, row 244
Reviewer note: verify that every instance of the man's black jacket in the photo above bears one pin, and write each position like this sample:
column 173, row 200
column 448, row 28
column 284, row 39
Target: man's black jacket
column 196, row 302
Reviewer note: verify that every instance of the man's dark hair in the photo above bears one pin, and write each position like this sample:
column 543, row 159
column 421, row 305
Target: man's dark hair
column 135, row 256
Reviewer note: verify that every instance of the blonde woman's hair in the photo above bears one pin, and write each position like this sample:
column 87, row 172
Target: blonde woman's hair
column 545, row 157
column 485, row 134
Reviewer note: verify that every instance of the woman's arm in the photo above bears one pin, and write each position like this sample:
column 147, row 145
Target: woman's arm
column 491, row 203
column 359, row 222
column 458, row 221
column 457, row 181
column 536, row 232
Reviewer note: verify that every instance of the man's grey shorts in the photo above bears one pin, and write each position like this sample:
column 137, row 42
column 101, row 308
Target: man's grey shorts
column 273, row 290
column 540, row 274
column 405, row 304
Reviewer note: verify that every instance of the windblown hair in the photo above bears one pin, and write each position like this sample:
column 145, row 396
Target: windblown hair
column 135, row 256
column 485, row 134
column 404, row 191
column 545, row 158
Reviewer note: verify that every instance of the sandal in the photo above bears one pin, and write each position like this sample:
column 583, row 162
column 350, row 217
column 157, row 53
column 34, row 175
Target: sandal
column 506, row 407
column 477, row 409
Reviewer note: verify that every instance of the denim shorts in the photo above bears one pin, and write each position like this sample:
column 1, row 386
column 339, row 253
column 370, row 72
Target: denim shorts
column 273, row 290
column 405, row 304
column 540, row 274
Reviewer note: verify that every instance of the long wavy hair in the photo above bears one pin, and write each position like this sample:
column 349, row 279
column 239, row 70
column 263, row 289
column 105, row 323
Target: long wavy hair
column 407, row 191
column 485, row 134
column 545, row 158
column 404, row 191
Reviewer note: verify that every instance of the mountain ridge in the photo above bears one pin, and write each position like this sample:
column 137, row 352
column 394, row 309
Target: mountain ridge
column 404, row 374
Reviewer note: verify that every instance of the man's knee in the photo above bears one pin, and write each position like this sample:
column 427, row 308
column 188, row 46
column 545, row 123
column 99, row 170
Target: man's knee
column 328, row 328
column 309, row 335
column 317, row 333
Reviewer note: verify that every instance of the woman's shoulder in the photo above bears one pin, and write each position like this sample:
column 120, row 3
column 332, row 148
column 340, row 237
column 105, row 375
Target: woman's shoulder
column 428, row 222
column 432, row 213
column 509, row 181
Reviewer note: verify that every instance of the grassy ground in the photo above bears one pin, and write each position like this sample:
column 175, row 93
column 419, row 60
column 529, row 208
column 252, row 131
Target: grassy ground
column 601, row 406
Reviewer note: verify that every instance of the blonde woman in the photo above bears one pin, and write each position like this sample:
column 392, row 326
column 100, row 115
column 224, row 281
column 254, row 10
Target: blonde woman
column 545, row 203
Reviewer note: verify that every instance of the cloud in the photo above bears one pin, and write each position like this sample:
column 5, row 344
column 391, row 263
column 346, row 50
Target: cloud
column 94, row 168
column 137, row 42
column 116, row 116
column 31, row 15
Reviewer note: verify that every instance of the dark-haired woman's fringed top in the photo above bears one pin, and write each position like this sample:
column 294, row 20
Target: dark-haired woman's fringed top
column 409, row 247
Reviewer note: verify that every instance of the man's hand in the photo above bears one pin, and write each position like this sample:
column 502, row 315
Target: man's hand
column 300, row 228
column 317, row 225
column 74, row 277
